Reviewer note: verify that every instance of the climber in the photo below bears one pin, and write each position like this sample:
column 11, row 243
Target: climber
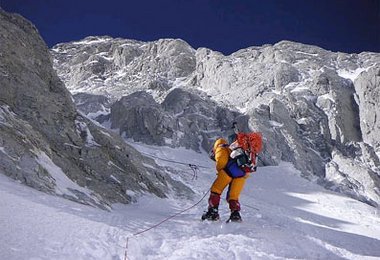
column 228, row 173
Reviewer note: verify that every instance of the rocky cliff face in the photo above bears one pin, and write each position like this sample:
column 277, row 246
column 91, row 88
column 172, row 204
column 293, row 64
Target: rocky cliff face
column 315, row 108
column 182, row 119
column 46, row 144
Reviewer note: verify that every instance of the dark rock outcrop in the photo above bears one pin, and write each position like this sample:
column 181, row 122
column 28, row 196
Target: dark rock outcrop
column 46, row 144
column 182, row 119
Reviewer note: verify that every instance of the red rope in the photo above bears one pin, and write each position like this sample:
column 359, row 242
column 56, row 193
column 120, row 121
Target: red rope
column 161, row 222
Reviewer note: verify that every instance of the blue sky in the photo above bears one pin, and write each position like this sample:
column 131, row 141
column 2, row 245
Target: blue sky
column 222, row 25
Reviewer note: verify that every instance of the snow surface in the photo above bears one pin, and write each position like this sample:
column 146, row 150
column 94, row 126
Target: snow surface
column 285, row 217
column 351, row 75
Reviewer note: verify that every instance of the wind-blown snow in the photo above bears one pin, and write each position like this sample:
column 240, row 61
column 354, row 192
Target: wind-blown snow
column 285, row 217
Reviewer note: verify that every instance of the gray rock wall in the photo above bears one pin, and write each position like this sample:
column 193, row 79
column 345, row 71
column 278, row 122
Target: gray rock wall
column 367, row 87
column 183, row 119
column 46, row 144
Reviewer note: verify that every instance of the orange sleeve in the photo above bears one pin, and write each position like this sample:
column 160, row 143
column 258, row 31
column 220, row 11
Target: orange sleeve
column 221, row 157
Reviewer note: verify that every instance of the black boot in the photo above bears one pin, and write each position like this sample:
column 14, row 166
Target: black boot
column 235, row 216
column 211, row 214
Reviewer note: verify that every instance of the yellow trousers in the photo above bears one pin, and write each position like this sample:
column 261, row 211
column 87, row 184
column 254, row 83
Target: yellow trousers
column 221, row 182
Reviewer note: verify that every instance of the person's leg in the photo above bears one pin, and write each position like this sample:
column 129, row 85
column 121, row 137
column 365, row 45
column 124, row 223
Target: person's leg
column 235, row 189
column 217, row 188
column 220, row 183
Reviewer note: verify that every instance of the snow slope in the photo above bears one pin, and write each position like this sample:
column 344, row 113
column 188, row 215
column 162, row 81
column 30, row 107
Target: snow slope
column 285, row 217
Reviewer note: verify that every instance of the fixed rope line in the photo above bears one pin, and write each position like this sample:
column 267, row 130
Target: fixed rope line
column 161, row 222
column 172, row 161
column 195, row 169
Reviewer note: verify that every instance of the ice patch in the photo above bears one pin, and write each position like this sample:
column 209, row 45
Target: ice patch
column 299, row 89
column 86, row 42
column 130, row 193
column 2, row 149
column 110, row 163
column 168, row 141
column 327, row 96
column 115, row 179
column 3, row 111
column 306, row 53
column 64, row 185
column 275, row 123
column 84, row 132
column 107, row 134
column 302, row 121
column 104, row 111
column 349, row 74
column 93, row 62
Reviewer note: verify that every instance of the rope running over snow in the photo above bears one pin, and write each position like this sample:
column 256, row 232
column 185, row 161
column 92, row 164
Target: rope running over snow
column 161, row 222
column 194, row 168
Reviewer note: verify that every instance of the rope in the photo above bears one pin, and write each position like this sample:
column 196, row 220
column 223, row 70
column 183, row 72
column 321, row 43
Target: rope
column 160, row 223
column 172, row 161
column 195, row 169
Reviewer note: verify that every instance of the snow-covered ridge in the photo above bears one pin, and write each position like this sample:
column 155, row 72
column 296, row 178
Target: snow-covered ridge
column 115, row 62
column 117, row 67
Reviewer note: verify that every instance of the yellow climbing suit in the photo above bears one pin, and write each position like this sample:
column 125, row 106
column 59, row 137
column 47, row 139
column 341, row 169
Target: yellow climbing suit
column 222, row 155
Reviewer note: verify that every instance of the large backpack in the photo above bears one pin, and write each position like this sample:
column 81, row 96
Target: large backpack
column 245, row 149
